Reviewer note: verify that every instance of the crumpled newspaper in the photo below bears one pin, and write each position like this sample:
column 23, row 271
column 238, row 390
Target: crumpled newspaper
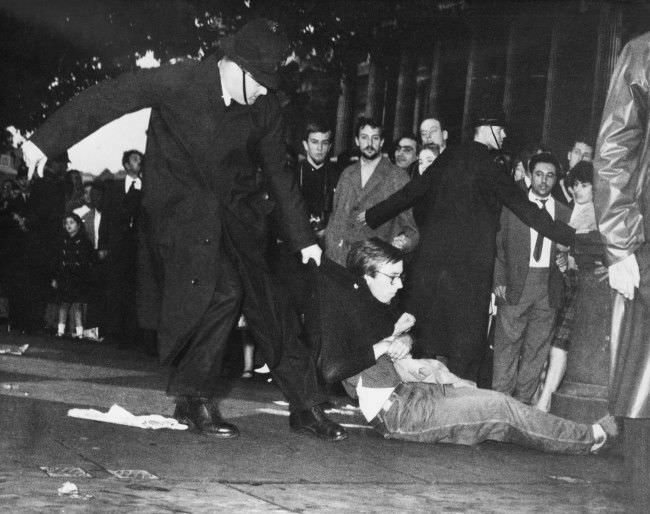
column 71, row 490
column 13, row 349
column 121, row 416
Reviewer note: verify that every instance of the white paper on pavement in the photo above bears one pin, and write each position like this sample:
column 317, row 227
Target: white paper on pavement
column 121, row 416
column 13, row 349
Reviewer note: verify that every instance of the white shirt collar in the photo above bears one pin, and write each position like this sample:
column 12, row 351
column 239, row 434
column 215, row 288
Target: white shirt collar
column 313, row 164
column 227, row 99
column 128, row 180
column 534, row 198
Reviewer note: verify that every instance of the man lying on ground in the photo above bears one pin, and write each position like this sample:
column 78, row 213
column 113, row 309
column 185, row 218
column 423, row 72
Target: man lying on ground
column 365, row 343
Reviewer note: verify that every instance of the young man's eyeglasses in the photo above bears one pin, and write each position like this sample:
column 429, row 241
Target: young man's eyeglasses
column 392, row 278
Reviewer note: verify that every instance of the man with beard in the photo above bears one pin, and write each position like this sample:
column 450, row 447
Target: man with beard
column 362, row 185
column 431, row 132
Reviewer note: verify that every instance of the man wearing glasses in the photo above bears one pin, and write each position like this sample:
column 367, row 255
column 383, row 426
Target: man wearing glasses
column 431, row 132
column 365, row 343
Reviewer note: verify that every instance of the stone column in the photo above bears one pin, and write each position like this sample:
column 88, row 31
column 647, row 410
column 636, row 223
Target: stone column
column 610, row 27
column 466, row 134
column 433, row 101
column 376, row 81
column 344, row 111
column 422, row 77
column 405, row 100
column 508, row 88
column 551, row 79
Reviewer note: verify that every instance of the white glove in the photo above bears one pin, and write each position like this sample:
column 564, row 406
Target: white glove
column 311, row 252
column 624, row 276
column 34, row 159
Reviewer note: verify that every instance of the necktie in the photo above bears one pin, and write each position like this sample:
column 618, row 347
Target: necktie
column 539, row 242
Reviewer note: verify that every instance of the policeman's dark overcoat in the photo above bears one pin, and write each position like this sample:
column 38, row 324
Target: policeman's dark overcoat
column 450, row 277
column 199, row 185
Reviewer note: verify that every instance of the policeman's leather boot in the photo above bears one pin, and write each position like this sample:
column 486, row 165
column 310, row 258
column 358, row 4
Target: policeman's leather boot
column 314, row 421
column 200, row 416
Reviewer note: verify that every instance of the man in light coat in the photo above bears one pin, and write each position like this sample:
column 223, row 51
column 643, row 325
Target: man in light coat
column 363, row 184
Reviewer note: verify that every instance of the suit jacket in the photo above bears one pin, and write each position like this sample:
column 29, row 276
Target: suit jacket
column 350, row 199
column 120, row 214
column 88, row 220
column 198, row 180
column 513, row 256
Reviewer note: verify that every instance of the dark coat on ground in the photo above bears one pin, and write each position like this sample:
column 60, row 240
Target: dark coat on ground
column 450, row 279
column 198, row 181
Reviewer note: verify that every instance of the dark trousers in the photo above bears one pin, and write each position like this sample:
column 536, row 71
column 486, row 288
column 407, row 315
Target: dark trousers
column 454, row 325
column 636, row 448
column 247, row 287
column 119, row 276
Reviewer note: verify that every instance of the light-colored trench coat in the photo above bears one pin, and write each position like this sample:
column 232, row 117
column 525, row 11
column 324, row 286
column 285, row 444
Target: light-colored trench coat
column 622, row 199
column 350, row 199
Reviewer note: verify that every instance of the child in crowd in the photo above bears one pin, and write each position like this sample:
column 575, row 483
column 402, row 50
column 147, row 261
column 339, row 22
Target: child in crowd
column 72, row 277
column 428, row 154
column 583, row 220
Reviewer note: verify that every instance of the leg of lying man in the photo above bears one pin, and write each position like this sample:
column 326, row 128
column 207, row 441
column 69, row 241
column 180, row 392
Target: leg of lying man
column 444, row 414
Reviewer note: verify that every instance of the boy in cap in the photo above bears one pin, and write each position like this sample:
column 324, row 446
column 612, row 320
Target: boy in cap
column 203, row 230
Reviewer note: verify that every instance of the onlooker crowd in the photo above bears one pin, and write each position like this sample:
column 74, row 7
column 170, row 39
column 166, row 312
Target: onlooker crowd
column 68, row 253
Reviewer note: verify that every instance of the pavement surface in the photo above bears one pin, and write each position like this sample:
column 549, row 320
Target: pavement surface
column 267, row 469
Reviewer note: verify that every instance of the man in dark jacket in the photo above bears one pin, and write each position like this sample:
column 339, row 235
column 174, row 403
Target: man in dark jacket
column 529, row 287
column 451, row 276
column 203, row 224
column 121, row 206
column 365, row 343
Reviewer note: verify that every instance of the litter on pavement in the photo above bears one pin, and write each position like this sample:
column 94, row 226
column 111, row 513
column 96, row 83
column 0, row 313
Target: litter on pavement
column 120, row 416
column 13, row 349
column 71, row 490
column 65, row 472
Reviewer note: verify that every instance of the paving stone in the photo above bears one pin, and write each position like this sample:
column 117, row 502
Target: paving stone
column 267, row 469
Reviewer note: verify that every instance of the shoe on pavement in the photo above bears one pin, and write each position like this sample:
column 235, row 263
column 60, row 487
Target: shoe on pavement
column 199, row 417
column 314, row 421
